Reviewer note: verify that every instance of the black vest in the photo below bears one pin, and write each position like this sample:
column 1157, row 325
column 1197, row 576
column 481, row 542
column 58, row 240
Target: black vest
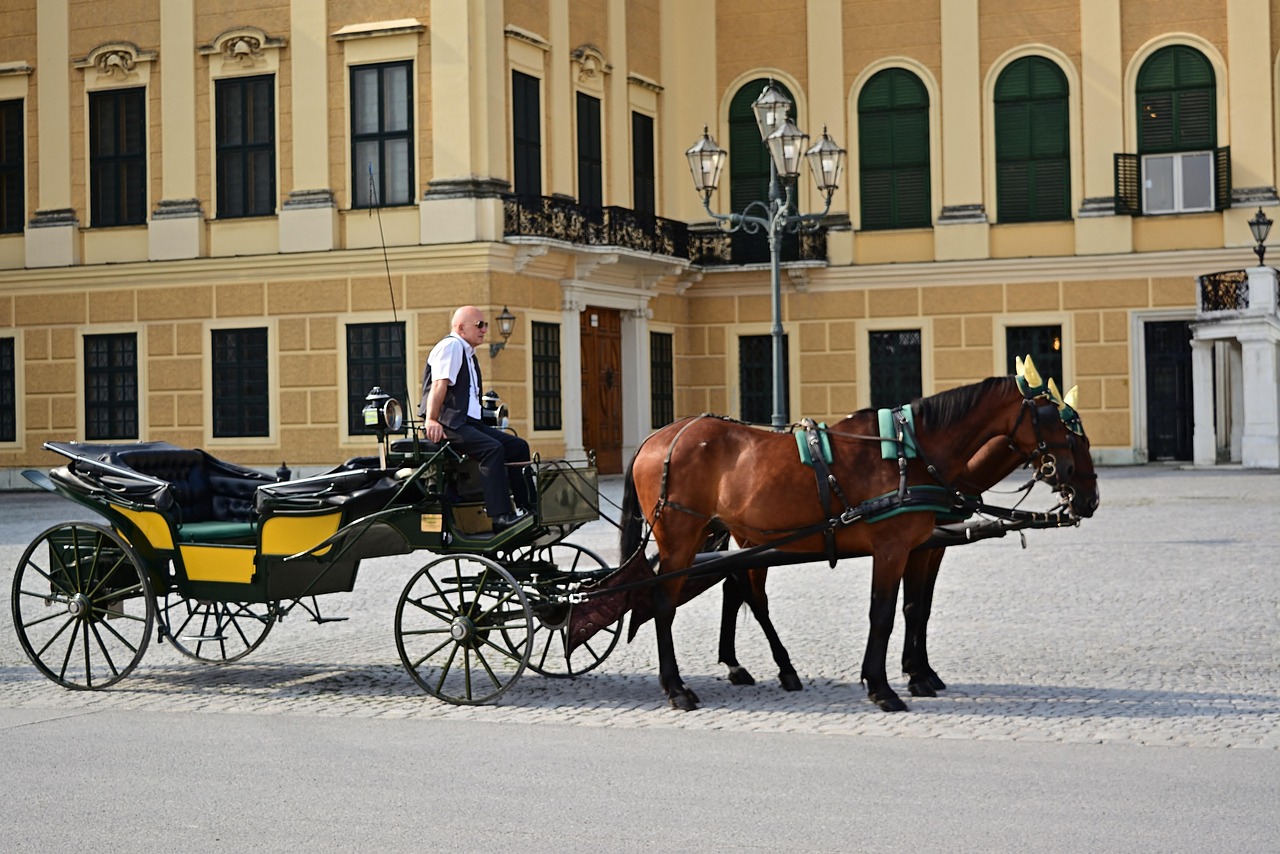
column 453, row 412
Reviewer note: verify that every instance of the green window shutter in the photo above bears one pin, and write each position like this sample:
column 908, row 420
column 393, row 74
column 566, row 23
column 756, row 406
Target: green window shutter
column 1222, row 178
column 1033, row 166
column 1177, row 102
column 893, row 151
column 1128, row 192
column 748, row 156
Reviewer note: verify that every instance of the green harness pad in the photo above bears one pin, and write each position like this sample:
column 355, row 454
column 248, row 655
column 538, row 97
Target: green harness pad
column 889, row 447
column 824, row 439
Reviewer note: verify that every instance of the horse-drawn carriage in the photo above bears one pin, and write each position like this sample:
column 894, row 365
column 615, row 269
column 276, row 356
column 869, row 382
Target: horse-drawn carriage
column 210, row 555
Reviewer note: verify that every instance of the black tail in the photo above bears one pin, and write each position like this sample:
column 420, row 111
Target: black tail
column 631, row 525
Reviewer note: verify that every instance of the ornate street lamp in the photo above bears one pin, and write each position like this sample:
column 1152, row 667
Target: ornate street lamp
column 786, row 144
column 1260, row 226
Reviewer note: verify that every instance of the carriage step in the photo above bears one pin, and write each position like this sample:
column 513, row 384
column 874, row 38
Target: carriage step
column 329, row 619
column 201, row 638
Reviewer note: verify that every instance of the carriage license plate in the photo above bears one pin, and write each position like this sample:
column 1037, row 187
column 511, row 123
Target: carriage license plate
column 432, row 523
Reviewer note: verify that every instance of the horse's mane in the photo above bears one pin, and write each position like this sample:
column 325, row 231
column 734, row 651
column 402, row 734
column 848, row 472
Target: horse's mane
column 942, row 410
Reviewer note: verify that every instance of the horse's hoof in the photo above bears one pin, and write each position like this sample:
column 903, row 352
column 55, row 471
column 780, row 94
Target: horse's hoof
column 790, row 682
column 888, row 702
column 936, row 683
column 921, row 689
column 740, row 676
column 684, row 701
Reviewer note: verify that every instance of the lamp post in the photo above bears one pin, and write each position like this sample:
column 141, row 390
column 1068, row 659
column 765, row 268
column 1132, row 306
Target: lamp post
column 1260, row 227
column 774, row 217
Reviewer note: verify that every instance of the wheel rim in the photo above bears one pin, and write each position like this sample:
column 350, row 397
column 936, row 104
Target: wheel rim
column 82, row 605
column 463, row 629
column 215, row 632
column 570, row 564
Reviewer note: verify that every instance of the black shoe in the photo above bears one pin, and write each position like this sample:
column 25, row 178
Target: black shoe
column 506, row 520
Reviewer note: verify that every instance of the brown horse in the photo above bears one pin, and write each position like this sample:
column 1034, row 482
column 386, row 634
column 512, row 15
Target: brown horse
column 996, row 461
column 707, row 474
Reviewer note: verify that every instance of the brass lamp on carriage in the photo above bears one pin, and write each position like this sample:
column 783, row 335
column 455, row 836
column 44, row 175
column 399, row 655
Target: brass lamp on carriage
column 786, row 145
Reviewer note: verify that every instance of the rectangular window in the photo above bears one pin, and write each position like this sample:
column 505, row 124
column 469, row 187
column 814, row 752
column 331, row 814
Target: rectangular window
column 8, row 392
column 526, row 129
column 1042, row 343
column 642, row 175
column 375, row 357
column 246, row 146
column 1178, row 183
column 895, row 367
column 118, row 157
column 12, row 204
column 662, row 400
column 241, row 397
column 111, row 386
column 755, row 379
column 382, row 134
column 546, row 376
column 590, row 161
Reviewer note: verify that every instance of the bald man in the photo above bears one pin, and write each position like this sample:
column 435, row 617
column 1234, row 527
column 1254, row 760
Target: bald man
column 450, row 409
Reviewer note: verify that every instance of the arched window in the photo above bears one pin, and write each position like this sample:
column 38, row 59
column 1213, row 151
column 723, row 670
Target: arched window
column 748, row 156
column 1181, row 170
column 1033, row 149
column 749, row 173
column 893, row 151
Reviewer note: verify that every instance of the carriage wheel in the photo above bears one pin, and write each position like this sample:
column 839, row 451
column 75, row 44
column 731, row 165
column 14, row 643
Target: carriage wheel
column 215, row 632
column 551, row 654
column 464, row 629
column 82, row 605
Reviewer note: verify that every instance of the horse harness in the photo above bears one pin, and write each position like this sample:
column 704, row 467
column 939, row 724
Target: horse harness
column 943, row 499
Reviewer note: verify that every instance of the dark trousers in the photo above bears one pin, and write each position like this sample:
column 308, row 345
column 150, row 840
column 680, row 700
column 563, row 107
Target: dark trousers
column 492, row 448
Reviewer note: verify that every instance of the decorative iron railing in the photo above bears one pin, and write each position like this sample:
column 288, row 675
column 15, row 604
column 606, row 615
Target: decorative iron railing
column 1225, row 291
column 563, row 219
column 717, row 248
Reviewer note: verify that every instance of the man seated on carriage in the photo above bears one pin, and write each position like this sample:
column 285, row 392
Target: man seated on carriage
column 450, row 409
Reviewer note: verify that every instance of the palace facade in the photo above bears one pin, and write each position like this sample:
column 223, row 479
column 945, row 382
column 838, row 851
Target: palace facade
column 222, row 223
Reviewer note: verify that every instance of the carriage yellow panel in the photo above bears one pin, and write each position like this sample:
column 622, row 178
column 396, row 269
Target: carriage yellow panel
column 289, row 535
column 233, row 564
column 152, row 525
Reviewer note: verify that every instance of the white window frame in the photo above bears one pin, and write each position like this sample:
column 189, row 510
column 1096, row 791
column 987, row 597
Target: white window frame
column 1178, row 169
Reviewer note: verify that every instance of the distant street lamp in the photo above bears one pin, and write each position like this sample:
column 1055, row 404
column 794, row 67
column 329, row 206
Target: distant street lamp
column 786, row 144
column 1260, row 226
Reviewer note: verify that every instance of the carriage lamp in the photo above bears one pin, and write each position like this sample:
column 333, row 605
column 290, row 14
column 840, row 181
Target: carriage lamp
column 506, row 325
column 382, row 412
column 778, row 215
column 1260, row 226
column 493, row 411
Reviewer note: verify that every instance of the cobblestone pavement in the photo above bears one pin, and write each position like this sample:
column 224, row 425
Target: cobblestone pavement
column 1155, row 623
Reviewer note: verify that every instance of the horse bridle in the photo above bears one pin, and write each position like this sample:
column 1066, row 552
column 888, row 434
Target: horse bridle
column 1041, row 458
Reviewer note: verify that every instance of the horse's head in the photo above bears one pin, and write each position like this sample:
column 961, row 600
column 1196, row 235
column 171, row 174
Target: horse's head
column 1051, row 437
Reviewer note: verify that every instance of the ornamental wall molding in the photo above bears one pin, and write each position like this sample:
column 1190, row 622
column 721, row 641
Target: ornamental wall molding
column 591, row 63
column 116, row 61
column 245, row 47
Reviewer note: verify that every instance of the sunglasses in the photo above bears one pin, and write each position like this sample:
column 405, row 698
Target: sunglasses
column 482, row 324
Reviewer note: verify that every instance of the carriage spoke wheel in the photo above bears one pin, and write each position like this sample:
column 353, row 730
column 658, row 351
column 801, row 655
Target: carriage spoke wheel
column 215, row 632
column 568, row 566
column 464, row 629
column 82, row 605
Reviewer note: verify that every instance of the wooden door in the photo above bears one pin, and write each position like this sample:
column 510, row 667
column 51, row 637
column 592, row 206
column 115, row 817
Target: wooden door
column 602, row 386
